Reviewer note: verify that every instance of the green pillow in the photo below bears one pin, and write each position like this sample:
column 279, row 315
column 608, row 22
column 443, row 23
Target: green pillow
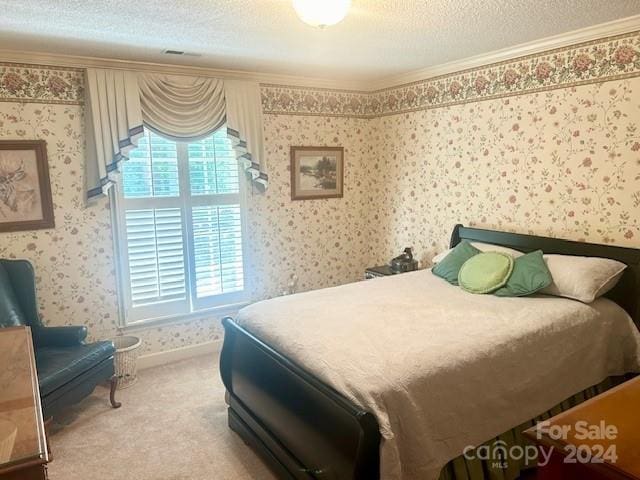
column 485, row 272
column 530, row 274
column 450, row 265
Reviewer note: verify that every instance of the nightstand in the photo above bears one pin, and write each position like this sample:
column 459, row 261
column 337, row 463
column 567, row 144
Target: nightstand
column 381, row 271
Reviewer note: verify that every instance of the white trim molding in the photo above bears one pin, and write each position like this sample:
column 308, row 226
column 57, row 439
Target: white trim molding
column 608, row 29
column 588, row 34
column 76, row 61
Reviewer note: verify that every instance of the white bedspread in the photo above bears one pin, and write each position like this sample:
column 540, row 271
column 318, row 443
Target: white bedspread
column 441, row 368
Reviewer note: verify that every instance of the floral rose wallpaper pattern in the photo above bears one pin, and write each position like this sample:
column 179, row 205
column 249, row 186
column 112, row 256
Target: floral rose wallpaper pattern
column 321, row 242
column 288, row 100
column 554, row 161
column 563, row 163
column 39, row 84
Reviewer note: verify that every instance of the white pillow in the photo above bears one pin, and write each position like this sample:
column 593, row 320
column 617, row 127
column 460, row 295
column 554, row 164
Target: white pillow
column 490, row 247
column 483, row 247
column 438, row 258
column 582, row 278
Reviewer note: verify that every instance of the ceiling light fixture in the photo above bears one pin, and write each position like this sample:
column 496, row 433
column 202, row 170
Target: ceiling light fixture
column 321, row 13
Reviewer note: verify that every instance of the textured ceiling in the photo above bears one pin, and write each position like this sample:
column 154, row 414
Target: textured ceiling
column 378, row 38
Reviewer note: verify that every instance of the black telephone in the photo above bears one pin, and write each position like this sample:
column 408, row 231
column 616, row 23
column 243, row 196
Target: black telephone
column 404, row 262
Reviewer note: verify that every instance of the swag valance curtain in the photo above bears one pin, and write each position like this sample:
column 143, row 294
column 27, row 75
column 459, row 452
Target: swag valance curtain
column 120, row 104
column 182, row 108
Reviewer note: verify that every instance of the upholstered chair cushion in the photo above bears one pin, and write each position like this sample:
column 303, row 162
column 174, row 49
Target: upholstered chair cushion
column 10, row 311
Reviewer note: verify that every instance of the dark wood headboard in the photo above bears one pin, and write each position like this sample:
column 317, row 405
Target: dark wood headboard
column 626, row 293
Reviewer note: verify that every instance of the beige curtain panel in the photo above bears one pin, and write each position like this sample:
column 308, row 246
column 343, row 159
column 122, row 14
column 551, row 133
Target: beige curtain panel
column 113, row 125
column 244, row 127
column 182, row 108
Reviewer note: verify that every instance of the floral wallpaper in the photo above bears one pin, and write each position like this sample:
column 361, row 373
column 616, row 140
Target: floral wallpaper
column 289, row 100
column 319, row 242
column 40, row 84
column 563, row 163
column 548, row 144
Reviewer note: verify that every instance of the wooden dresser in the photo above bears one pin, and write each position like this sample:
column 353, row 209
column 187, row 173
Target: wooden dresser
column 23, row 444
column 598, row 439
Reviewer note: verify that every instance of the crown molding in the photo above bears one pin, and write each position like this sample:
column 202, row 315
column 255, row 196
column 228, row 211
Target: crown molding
column 584, row 35
column 588, row 34
column 76, row 61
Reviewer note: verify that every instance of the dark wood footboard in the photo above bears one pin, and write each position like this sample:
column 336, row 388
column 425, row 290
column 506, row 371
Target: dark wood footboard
column 302, row 428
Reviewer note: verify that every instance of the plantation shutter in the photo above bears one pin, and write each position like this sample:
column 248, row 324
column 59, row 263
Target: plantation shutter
column 216, row 218
column 156, row 255
column 182, row 221
column 218, row 250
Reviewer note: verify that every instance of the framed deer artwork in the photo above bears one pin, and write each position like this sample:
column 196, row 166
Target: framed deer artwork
column 25, row 190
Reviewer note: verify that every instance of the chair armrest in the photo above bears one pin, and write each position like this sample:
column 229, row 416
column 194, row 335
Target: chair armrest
column 59, row 336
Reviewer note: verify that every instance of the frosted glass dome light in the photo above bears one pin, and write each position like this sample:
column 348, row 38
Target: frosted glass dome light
column 320, row 13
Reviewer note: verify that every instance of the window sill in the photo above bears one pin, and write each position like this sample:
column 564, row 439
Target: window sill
column 217, row 312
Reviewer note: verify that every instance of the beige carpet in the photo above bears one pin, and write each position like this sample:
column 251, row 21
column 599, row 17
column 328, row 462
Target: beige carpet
column 172, row 426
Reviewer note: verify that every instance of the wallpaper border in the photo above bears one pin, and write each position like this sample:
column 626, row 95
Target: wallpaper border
column 294, row 100
column 610, row 58
column 41, row 84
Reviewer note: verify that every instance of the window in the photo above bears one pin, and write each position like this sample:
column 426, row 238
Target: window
column 180, row 227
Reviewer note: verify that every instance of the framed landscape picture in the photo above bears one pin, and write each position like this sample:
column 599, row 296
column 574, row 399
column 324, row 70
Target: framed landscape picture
column 316, row 172
column 25, row 191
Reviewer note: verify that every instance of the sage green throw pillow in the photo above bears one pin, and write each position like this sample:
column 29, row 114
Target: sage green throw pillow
column 450, row 265
column 530, row 274
column 485, row 272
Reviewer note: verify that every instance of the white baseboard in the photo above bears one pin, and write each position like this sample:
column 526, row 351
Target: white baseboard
column 177, row 354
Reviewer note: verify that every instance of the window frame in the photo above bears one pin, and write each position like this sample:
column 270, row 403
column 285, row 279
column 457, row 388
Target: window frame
column 191, row 306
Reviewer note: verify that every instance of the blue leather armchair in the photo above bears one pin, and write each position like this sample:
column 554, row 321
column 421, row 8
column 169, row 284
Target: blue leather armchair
column 68, row 368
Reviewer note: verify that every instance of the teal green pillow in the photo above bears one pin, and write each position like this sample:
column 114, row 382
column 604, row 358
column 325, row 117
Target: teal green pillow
column 485, row 272
column 530, row 274
column 450, row 265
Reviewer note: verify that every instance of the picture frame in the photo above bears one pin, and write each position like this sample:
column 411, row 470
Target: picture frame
column 317, row 173
column 25, row 188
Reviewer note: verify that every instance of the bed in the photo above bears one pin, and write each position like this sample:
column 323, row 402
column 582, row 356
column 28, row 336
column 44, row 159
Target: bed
column 295, row 408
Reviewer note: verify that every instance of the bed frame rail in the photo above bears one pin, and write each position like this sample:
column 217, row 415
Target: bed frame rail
column 301, row 427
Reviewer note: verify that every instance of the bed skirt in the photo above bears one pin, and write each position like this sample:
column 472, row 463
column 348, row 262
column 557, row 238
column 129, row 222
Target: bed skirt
column 470, row 467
